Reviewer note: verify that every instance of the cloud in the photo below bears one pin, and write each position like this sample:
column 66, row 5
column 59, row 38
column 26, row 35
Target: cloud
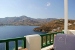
column 48, row 4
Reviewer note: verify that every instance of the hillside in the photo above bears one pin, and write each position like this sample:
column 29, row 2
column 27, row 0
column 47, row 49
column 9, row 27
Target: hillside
column 24, row 20
column 55, row 26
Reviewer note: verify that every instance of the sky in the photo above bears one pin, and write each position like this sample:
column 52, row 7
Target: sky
column 36, row 8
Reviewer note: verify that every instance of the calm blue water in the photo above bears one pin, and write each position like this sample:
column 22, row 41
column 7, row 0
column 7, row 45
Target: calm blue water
column 15, row 31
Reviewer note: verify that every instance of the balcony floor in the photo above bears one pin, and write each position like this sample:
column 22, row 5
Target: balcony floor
column 47, row 48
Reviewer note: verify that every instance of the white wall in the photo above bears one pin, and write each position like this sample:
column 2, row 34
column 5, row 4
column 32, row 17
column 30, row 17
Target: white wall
column 71, row 32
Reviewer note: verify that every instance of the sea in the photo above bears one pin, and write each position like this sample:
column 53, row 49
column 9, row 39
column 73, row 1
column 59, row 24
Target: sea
column 7, row 32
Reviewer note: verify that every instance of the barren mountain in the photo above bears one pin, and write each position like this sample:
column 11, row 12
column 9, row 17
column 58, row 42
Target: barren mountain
column 55, row 26
column 24, row 20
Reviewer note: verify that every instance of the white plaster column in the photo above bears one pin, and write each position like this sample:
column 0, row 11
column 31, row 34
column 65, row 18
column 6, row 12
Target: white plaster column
column 66, row 16
column 33, row 42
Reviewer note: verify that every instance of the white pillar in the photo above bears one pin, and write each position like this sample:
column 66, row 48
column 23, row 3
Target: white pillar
column 66, row 16
column 33, row 42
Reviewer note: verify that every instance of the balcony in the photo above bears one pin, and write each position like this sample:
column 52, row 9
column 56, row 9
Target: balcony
column 32, row 42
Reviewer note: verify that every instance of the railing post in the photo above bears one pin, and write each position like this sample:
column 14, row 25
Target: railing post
column 16, row 44
column 46, row 40
column 33, row 42
column 24, row 42
column 50, row 39
column 7, row 45
column 41, row 41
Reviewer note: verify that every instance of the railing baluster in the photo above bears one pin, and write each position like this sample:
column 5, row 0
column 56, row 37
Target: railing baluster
column 53, row 37
column 7, row 45
column 46, row 40
column 50, row 39
column 41, row 41
column 24, row 42
column 16, row 44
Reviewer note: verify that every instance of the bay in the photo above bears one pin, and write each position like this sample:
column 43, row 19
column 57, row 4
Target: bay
column 15, row 31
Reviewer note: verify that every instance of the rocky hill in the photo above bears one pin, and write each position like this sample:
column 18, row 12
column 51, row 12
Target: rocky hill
column 55, row 26
column 24, row 20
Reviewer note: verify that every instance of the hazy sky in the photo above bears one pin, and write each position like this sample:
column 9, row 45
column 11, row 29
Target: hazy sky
column 36, row 8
